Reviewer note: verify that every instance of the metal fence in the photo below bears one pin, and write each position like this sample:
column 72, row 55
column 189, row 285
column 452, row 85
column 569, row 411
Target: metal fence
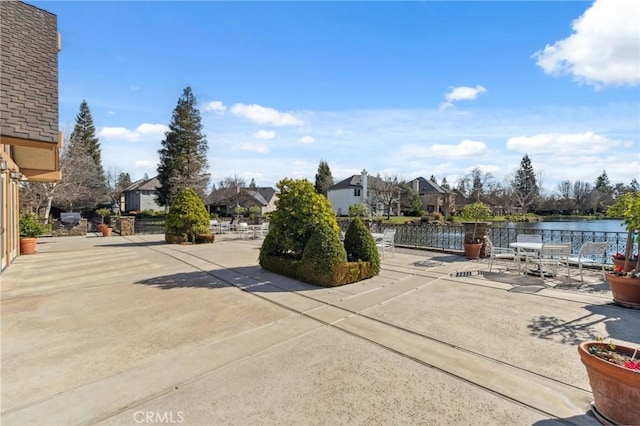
column 451, row 237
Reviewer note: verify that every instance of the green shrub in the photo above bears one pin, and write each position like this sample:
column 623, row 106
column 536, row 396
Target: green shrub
column 187, row 215
column 29, row 226
column 343, row 273
column 360, row 245
column 358, row 210
column 324, row 250
column 299, row 211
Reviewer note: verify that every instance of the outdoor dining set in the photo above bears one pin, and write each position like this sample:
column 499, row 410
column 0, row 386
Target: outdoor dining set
column 243, row 229
column 529, row 255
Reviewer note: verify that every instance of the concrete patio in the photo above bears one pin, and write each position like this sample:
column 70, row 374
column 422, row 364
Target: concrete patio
column 129, row 330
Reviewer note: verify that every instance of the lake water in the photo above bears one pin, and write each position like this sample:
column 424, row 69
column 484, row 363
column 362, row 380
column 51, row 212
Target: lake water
column 603, row 225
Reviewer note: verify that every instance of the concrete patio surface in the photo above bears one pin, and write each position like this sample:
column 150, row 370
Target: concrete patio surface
column 130, row 330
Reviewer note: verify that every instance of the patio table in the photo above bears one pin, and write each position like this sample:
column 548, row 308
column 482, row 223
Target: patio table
column 526, row 249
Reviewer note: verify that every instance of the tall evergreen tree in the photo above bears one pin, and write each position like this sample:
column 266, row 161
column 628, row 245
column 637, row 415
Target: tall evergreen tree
column 324, row 179
column 524, row 185
column 603, row 184
column 183, row 156
column 83, row 140
column 445, row 185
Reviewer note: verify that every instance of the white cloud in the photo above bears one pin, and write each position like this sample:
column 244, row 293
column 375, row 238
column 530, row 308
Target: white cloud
column 561, row 143
column 604, row 48
column 265, row 115
column 254, row 147
column 464, row 149
column 143, row 131
column 264, row 134
column 145, row 163
column 111, row 113
column 461, row 93
column 306, row 140
column 214, row 106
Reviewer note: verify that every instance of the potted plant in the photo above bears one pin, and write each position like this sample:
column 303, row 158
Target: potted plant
column 30, row 229
column 619, row 261
column 625, row 281
column 614, row 376
column 102, row 212
column 473, row 213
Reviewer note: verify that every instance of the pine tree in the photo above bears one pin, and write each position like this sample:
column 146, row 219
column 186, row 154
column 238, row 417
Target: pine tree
column 324, row 179
column 84, row 134
column 603, row 184
column 252, row 185
column 183, row 156
column 524, row 184
column 83, row 140
column 445, row 184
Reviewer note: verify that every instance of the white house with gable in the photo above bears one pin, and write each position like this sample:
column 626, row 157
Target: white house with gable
column 350, row 191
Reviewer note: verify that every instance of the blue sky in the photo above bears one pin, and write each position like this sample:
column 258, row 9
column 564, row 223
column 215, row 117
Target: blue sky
column 397, row 88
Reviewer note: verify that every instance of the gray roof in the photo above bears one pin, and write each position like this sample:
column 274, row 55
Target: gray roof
column 262, row 195
column 426, row 186
column 29, row 75
column 144, row 185
column 354, row 181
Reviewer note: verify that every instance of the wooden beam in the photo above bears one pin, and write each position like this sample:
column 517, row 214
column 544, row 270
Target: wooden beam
column 10, row 140
column 42, row 175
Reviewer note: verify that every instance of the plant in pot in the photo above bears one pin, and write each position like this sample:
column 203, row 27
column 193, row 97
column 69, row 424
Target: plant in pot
column 625, row 281
column 614, row 376
column 30, row 229
column 103, row 213
column 472, row 214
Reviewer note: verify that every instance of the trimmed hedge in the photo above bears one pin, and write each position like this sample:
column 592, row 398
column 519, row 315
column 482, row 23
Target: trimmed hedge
column 340, row 274
column 360, row 245
column 324, row 249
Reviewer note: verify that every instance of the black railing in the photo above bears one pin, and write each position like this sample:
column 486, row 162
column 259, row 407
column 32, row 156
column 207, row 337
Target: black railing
column 451, row 237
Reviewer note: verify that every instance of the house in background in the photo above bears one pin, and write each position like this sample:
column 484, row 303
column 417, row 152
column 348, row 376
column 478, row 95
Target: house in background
column 141, row 195
column 434, row 197
column 223, row 201
column 356, row 189
column 30, row 139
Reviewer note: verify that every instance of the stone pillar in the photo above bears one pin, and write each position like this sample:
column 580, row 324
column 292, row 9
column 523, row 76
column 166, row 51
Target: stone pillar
column 126, row 225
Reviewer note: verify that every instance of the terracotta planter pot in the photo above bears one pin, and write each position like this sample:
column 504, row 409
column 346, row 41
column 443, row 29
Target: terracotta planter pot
column 106, row 231
column 620, row 264
column 28, row 245
column 625, row 291
column 472, row 250
column 100, row 227
column 616, row 390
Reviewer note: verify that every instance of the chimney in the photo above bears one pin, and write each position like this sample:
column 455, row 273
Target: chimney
column 416, row 185
column 363, row 181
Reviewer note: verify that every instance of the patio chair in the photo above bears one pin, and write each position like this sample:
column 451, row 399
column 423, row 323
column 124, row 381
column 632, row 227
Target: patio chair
column 554, row 255
column 263, row 230
column 590, row 249
column 387, row 243
column 499, row 253
column 213, row 226
column 243, row 229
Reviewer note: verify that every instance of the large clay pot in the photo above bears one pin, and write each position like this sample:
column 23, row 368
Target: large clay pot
column 28, row 245
column 616, row 390
column 472, row 250
column 620, row 264
column 625, row 291
column 106, row 231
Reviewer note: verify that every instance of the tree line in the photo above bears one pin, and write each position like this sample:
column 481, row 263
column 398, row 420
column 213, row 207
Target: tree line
column 85, row 185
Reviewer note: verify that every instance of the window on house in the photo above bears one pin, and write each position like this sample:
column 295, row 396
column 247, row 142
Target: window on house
column 356, row 192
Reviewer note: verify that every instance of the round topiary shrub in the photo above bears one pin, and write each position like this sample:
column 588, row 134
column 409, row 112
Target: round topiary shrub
column 300, row 210
column 360, row 245
column 187, row 215
column 324, row 249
